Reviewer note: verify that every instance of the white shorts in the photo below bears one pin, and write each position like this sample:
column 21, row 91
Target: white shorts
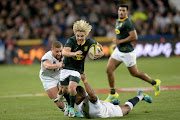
column 128, row 58
column 98, row 110
column 65, row 73
column 48, row 82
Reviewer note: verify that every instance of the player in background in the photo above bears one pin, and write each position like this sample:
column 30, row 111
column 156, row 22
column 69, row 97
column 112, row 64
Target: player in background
column 74, row 52
column 124, row 52
column 50, row 70
column 91, row 107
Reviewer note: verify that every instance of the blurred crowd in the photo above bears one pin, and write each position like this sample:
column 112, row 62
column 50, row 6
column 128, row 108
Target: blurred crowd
column 53, row 19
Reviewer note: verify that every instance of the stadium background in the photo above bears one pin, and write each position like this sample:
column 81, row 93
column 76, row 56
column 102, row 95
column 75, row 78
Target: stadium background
column 28, row 27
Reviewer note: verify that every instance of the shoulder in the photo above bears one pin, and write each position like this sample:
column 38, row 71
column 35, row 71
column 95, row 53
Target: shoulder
column 47, row 55
column 128, row 21
column 130, row 24
column 70, row 42
column 72, row 39
column 117, row 21
column 90, row 41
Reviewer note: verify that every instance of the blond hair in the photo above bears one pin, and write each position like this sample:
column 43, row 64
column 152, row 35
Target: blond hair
column 82, row 26
column 57, row 44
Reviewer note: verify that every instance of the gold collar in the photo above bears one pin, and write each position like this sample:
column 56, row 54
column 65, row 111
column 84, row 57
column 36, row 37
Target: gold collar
column 82, row 43
column 120, row 20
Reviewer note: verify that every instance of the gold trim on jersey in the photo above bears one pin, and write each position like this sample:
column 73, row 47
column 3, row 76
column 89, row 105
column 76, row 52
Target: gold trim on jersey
column 82, row 43
column 120, row 20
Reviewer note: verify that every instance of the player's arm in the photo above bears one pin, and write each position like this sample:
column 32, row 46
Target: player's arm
column 49, row 66
column 101, row 52
column 67, row 52
column 132, row 37
column 91, row 95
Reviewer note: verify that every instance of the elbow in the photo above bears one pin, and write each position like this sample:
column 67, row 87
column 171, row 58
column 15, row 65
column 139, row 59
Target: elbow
column 136, row 38
column 65, row 54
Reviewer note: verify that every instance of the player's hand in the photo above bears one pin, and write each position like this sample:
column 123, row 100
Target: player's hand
column 116, row 41
column 114, row 46
column 99, row 55
column 60, row 65
column 83, row 77
column 79, row 52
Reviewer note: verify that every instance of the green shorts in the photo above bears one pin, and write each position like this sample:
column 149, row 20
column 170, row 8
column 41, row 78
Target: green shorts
column 70, row 78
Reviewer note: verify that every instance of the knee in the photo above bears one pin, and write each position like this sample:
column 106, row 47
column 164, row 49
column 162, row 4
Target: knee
column 109, row 71
column 72, row 89
column 125, row 109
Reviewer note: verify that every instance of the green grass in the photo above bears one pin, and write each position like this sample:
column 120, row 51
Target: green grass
column 19, row 80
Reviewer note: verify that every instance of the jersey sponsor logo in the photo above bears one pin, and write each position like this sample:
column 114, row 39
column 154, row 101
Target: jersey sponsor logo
column 117, row 31
column 78, row 57
column 85, row 48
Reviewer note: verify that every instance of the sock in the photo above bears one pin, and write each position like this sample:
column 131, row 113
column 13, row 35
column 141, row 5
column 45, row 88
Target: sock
column 113, row 91
column 72, row 99
column 132, row 102
column 67, row 98
column 60, row 107
column 141, row 97
column 153, row 82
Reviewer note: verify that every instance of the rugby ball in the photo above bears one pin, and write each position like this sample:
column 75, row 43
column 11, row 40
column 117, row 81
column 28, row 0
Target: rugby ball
column 93, row 50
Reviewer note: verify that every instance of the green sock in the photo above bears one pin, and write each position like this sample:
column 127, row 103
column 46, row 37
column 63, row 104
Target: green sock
column 67, row 98
column 153, row 82
column 113, row 91
column 72, row 99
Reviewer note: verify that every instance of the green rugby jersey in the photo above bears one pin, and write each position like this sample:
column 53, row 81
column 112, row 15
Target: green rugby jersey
column 122, row 29
column 77, row 62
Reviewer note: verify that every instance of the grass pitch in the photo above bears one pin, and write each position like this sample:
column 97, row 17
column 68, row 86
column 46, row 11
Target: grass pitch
column 16, row 80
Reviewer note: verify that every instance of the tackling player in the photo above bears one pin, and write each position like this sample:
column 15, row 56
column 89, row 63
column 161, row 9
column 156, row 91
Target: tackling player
column 74, row 52
column 91, row 107
column 50, row 70
column 124, row 52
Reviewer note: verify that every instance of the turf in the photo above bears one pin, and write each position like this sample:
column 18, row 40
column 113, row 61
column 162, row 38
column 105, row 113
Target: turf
column 20, row 80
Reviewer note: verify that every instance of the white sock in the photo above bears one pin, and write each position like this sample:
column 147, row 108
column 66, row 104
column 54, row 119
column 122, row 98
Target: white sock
column 141, row 96
column 129, row 104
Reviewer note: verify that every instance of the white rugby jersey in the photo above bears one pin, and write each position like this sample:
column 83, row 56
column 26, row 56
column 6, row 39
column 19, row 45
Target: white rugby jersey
column 49, row 73
column 99, row 109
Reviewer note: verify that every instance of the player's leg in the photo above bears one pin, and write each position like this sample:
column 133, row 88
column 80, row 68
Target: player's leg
column 66, row 94
column 51, row 88
column 66, row 77
column 156, row 83
column 74, row 81
column 111, row 66
column 134, row 72
column 130, row 60
column 128, row 106
column 52, row 93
